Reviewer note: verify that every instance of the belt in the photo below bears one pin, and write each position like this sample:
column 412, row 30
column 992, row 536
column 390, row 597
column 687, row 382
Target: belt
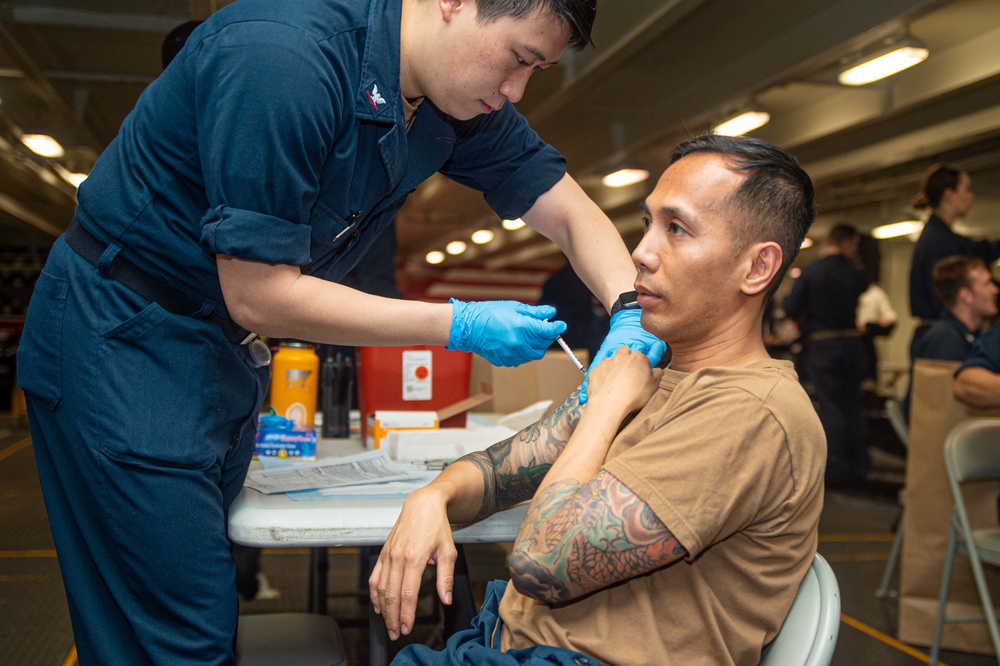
column 129, row 275
column 835, row 333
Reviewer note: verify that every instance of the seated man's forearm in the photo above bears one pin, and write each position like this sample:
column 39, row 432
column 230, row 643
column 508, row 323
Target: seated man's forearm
column 512, row 470
column 978, row 387
column 580, row 538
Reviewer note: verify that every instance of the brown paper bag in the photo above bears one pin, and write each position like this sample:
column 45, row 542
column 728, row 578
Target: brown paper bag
column 933, row 413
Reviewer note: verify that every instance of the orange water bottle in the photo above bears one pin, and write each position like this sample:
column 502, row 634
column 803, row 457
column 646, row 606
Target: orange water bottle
column 295, row 382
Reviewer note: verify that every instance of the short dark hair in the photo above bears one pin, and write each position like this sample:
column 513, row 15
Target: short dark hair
column 775, row 198
column 937, row 179
column 175, row 40
column 951, row 275
column 578, row 15
column 842, row 233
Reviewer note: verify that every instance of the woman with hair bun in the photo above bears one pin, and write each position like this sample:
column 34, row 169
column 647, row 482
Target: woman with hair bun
column 947, row 192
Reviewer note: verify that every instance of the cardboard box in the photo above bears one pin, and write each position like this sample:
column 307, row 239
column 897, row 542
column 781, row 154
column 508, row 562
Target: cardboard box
column 553, row 377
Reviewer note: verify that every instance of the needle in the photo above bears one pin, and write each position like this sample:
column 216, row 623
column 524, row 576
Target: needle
column 576, row 361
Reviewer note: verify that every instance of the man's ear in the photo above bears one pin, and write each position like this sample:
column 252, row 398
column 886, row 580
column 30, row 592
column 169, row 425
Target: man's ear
column 765, row 264
column 448, row 8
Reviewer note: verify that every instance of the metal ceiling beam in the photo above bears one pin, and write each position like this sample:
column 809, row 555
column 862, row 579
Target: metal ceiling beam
column 89, row 77
column 159, row 21
column 40, row 86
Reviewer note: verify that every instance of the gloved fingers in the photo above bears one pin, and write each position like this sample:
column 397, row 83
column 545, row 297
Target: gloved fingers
column 655, row 352
column 536, row 311
column 545, row 330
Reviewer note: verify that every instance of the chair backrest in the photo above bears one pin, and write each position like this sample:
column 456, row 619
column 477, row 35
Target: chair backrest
column 972, row 451
column 898, row 422
column 808, row 635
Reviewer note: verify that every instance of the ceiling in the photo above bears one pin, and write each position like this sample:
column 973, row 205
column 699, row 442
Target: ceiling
column 663, row 70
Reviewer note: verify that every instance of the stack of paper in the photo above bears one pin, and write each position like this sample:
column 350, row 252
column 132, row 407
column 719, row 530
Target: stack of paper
column 363, row 468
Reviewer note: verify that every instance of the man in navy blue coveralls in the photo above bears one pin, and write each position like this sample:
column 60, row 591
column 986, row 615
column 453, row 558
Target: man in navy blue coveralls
column 823, row 301
column 966, row 288
column 249, row 178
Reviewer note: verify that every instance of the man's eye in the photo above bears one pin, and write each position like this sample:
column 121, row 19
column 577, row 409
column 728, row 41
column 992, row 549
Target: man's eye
column 646, row 222
column 520, row 60
column 675, row 228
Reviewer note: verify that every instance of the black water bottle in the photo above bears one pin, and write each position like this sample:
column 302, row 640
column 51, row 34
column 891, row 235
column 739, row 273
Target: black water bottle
column 337, row 375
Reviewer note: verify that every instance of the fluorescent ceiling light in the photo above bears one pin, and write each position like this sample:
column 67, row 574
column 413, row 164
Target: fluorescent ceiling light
column 455, row 247
column 434, row 257
column 806, row 243
column 71, row 177
column 896, row 229
column 512, row 225
column 893, row 57
column 745, row 122
column 482, row 237
column 43, row 144
column 625, row 177
column 74, row 179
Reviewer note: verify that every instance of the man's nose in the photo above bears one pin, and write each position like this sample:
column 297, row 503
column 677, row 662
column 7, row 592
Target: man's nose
column 643, row 256
column 513, row 87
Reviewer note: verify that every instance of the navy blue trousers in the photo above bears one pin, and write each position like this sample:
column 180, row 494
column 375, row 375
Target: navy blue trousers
column 835, row 366
column 143, row 427
column 480, row 645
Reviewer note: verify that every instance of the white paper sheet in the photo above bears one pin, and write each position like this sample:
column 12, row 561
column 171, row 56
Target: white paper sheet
column 386, row 490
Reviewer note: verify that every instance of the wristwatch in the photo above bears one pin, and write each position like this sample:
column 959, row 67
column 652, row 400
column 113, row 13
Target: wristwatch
column 626, row 301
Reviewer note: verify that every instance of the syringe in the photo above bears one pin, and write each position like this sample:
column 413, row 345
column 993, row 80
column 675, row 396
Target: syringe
column 576, row 361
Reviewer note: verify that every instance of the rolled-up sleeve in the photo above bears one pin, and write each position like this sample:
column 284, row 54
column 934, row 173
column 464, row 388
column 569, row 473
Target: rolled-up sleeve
column 267, row 97
column 227, row 230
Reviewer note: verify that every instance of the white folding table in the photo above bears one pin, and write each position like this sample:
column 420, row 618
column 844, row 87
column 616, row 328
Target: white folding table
column 277, row 521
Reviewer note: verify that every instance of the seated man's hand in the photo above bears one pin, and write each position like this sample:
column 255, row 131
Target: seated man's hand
column 624, row 383
column 626, row 331
column 421, row 536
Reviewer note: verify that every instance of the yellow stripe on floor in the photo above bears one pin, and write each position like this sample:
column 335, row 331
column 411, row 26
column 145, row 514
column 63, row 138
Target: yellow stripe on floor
column 70, row 659
column 12, row 554
column 14, row 448
column 15, row 494
column 851, row 538
column 885, row 638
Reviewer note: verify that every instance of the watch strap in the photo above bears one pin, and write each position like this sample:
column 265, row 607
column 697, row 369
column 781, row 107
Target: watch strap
column 628, row 300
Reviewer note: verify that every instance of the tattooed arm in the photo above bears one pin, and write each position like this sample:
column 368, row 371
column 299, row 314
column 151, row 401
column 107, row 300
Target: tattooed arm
column 586, row 530
column 469, row 489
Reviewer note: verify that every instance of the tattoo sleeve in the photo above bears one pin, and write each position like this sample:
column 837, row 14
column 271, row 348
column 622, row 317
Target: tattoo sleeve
column 514, row 468
column 578, row 538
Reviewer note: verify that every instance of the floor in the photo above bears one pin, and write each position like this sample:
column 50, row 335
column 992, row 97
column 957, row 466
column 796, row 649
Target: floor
column 856, row 534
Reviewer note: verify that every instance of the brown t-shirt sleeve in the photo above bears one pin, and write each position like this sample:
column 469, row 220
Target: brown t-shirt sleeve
column 709, row 470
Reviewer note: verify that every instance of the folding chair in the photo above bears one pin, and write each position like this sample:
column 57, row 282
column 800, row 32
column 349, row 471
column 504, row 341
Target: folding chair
column 971, row 453
column 808, row 635
column 899, row 425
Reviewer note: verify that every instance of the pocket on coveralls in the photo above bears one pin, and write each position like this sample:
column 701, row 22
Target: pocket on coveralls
column 39, row 354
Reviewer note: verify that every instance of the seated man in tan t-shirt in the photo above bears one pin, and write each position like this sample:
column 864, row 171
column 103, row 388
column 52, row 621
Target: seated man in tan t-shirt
column 673, row 516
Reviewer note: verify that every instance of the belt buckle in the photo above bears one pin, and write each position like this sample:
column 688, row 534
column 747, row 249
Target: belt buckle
column 258, row 353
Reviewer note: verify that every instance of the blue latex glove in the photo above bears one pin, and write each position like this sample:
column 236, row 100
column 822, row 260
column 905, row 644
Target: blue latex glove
column 626, row 331
column 505, row 333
